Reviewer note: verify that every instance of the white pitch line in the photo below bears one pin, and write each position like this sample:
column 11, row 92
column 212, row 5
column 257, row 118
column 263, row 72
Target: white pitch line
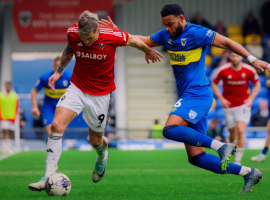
column 4, row 156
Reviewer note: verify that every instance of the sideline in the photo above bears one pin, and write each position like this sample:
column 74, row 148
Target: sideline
column 4, row 156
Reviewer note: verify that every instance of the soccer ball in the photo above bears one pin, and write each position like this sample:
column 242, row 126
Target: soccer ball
column 58, row 184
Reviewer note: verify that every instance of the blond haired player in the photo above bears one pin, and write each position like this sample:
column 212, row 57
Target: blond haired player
column 92, row 81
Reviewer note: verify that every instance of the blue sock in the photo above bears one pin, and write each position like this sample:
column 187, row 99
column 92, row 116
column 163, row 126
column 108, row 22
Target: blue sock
column 264, row 151
column 212, row 163
column 187, row 135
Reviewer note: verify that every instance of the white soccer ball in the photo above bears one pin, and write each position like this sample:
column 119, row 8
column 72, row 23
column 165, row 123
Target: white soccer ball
column 58, row 184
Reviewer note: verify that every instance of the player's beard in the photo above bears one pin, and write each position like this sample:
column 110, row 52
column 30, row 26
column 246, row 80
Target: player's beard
column 178, row 31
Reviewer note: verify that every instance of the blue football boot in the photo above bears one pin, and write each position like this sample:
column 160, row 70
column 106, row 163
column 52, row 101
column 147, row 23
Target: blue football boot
column 251, row 179
column 225, row 152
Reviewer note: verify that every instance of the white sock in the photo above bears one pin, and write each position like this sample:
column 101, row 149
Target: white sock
column 101, row 151
column 244, row 170
column 238, row 155
column 54, row 149
column 215, row 145
column 4, row 146
column 9, row 144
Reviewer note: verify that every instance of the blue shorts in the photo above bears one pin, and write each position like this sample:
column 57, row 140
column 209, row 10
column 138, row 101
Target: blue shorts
column 193, row 106
column 47, row 114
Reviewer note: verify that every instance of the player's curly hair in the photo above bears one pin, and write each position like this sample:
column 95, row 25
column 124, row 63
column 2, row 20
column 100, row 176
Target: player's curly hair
column 88, row 22
column 172, row 9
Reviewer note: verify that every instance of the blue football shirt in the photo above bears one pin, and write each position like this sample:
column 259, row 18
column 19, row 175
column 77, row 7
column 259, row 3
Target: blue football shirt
column 187, row 54
column 51, row 98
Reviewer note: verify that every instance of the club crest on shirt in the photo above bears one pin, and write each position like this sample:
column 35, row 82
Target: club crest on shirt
column 229, row 77
column 192, row 114
column 243, row 75
column 65, row 83
column 183, row 41
column 170, row 41
column 101, row 45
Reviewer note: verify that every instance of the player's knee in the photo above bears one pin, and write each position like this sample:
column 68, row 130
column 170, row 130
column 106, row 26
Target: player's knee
column 57, row 127
column 95, row 142
column 240, row 131
column 195, row 159
column 166, row 131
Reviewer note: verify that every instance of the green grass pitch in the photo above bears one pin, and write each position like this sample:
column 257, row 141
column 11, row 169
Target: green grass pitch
column 130, row 175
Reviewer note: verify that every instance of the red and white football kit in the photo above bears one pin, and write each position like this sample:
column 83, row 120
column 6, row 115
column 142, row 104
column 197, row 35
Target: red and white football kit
column 236, row 91
column 92, row 79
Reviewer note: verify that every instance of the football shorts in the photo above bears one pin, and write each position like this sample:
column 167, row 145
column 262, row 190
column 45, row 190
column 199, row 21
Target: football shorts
column 7, row 125
column 240, row 113
column 47, row 113
column 193, row 106
column 95, row 107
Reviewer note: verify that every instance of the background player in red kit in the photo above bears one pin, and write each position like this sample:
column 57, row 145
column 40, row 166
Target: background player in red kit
column 236, row 100
column 92, row 82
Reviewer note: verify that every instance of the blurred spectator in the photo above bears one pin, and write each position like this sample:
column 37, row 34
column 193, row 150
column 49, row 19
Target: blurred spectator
column 255, row 48
column 22, row 120
column 222, row 60
column 37, row 121
column 109, row 134
column 251, row 25
column 220, row 28
column 260, row 118
column 265, row 13
column 213, row 131
column 8, row 112
column 266, row 52
column 199, row 20
column 157, row 130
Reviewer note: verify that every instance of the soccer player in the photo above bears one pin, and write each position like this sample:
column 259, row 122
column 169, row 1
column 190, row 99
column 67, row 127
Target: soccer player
column 261, row 157
column 236, row 100
column 9, row 104
column 92, row 82
column 51, row 98
column 186, row 44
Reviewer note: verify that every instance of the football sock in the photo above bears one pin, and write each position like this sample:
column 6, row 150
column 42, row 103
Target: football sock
column 212, row 163
column 4, row 145
column 54, row 149
column 238, row 155
column 190, row 136
column 101, row 151
column 264, row 151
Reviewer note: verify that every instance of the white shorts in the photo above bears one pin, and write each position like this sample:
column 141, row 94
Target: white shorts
column 8, row 125
column 95, row 107
column 235, row 114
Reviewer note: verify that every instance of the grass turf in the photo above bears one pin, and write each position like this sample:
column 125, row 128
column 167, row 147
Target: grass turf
column 130, row 175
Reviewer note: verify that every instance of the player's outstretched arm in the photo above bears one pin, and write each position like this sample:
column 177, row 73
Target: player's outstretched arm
column 109, row 23
column 35, row 111
column 225, row 103
column 254, row 93
column 150, row 54
column 65, row 59
column 226, row 43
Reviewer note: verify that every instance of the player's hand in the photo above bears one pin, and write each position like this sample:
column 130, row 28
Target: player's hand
column 35, row 111
column 267, row 83
column 225, row 103
column 53, row 79
column 109, row 23
column 153, row 55
column 261, row 65
column 249, row 102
